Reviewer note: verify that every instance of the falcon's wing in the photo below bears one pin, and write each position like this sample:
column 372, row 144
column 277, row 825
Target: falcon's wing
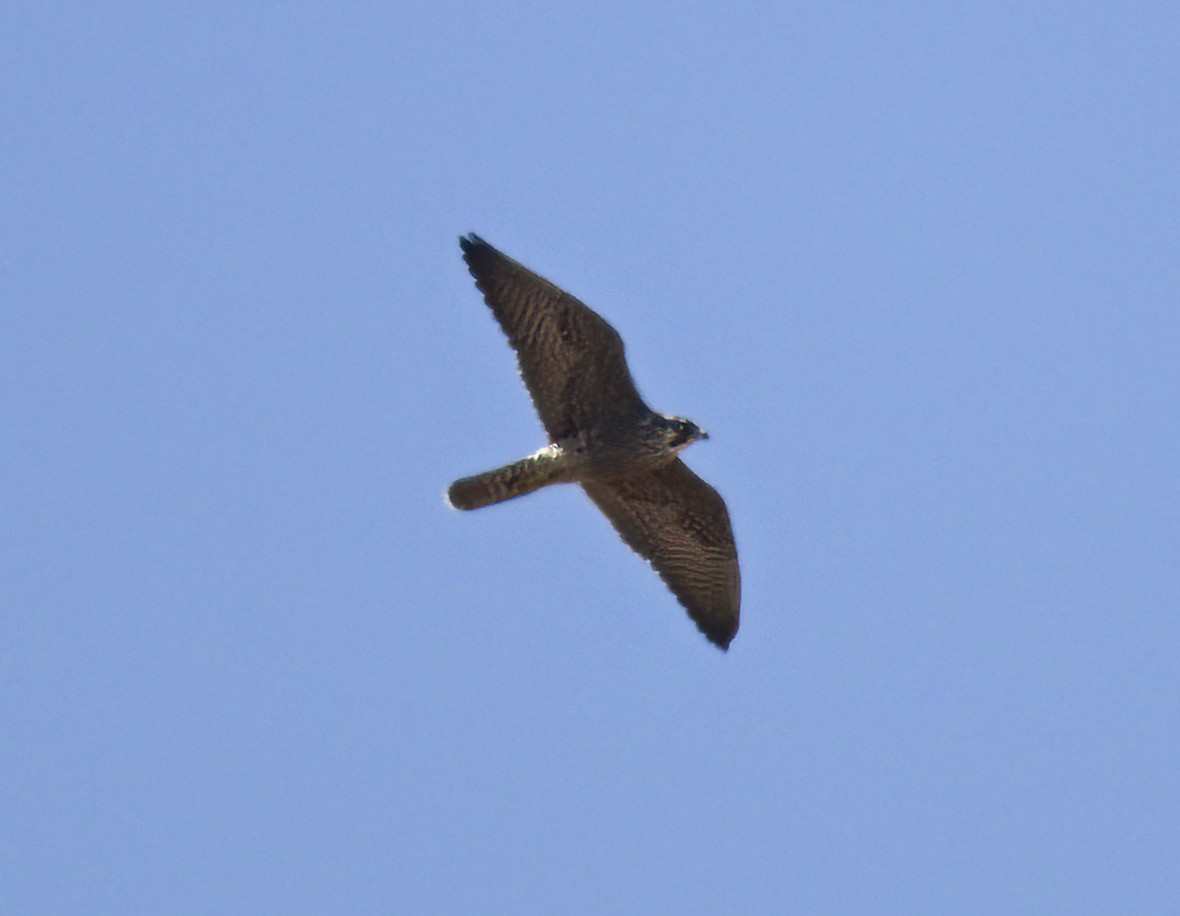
column 677, row 521
column 571, row 359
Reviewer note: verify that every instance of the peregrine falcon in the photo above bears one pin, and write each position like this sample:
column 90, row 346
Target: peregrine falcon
column 604, row 437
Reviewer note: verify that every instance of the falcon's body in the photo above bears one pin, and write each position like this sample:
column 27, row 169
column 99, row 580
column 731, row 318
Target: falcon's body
column 604, row 437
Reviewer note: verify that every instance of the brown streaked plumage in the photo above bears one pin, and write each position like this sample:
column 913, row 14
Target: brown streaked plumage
column 604, row 437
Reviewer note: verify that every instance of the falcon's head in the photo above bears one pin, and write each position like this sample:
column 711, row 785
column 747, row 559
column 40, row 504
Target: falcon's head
column 681, row 433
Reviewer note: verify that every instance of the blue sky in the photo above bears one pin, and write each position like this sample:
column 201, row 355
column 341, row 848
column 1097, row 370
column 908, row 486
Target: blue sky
column 914, row 266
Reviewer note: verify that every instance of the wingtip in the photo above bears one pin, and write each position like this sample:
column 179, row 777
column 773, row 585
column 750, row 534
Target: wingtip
column 721, row 639
column 471, row 240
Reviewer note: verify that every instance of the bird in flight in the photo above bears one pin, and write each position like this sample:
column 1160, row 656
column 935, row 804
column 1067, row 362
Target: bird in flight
column 604, row 437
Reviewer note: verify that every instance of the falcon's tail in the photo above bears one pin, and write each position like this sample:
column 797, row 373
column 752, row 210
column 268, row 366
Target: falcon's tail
column 545, row 467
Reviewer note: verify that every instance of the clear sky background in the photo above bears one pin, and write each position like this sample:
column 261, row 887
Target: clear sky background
column 916, row 267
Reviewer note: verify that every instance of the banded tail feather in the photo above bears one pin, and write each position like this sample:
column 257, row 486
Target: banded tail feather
column 512, row 480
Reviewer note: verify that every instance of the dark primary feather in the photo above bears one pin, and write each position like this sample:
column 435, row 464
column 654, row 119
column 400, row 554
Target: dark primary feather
column 680, row 524
column 571, row 359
